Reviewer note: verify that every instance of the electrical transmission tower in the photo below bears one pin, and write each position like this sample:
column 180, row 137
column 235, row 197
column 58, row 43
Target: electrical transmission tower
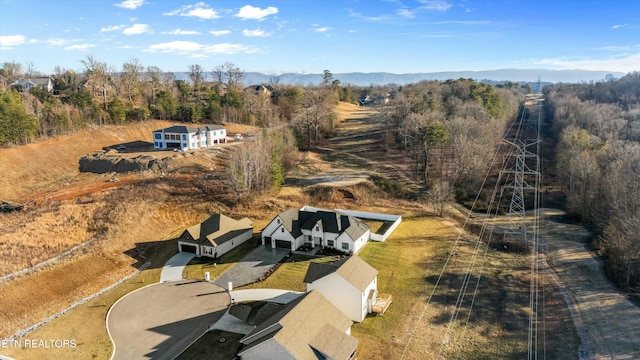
column 525, row 179
column 522, row 174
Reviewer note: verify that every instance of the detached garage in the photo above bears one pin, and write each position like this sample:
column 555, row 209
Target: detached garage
column 215, row 236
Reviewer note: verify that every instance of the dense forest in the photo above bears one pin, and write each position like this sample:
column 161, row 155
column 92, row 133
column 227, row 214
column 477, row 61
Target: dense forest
column 596, row 128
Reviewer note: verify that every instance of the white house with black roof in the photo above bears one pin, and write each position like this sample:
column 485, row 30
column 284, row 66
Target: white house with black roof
column 184, row 138
column 311, row 227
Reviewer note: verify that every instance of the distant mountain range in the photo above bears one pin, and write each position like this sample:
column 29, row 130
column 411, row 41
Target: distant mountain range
column 383, row 78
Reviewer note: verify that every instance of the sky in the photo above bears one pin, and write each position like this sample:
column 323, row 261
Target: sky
column 310, row 36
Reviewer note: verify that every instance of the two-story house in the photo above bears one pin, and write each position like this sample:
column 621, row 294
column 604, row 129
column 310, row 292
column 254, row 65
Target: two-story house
column 188, row 137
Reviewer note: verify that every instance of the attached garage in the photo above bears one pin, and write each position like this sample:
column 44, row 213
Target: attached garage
column 188, row 248
column 283, row 244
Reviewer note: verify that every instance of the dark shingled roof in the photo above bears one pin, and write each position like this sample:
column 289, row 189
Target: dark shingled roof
column 181, row 129
column 352, row 268
column 332, row 221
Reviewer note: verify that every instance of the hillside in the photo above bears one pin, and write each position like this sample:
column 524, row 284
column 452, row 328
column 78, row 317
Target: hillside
column 383, row 78
column 38, row 166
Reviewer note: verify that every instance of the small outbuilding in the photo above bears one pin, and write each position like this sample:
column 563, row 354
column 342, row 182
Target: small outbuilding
column 350, row 284
column 215, row 236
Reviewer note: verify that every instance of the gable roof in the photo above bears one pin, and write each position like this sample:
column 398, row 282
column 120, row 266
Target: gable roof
column 307, row 324
column 216, row 230
column 352, row 268
column 335, row 222
column 182, row 129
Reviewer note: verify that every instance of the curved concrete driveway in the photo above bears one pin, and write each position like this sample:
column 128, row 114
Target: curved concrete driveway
column 173, row 268
column 161, row 320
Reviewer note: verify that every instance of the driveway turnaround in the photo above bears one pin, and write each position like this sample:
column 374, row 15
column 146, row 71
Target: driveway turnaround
column 252, row 266
column 172, row 270
column 160, row 321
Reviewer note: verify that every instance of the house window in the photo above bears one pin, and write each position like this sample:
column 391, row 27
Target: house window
column 278, row 221
column 330, row 243
column 184, row 136
column 214, row 133
column 317, row 228
column 281, row 229
column 345, row 246
column 157, row 136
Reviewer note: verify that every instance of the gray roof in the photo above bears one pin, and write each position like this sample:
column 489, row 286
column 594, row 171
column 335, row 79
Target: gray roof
column 352, row 268
column 183, row 129
column 306, row 326
column 332, row 221
column 216, row 230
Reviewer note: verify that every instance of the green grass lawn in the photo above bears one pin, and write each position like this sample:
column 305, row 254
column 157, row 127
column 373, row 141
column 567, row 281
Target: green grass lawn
column 289, row 275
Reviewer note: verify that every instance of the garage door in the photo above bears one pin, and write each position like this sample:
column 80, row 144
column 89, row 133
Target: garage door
column 188, row 248
column 283, row 244
column 267, row 241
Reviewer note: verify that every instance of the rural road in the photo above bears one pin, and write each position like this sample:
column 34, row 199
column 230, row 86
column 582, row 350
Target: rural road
column 607, row 322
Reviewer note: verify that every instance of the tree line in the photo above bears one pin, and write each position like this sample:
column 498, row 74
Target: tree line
column 449, row 131
column 103, row 94
column 597, row 132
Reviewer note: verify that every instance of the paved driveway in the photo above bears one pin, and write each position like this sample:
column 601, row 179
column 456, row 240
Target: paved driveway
column 172, row 270
column 251, row 267
column 161, row 320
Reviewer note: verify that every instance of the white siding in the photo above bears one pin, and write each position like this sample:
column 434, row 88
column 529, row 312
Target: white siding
column 342, row 295
column 233, row 243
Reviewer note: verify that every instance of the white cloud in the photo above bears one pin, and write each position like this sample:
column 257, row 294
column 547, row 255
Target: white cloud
column 181, row 32
column 227, row 48
column 620, row 26
column 199, row 10
column 249, row 12
column 255, row 33
column 406, row 13
column 112, row 28
column 130, row 4
column 219, row 32
column 56, row 42
column 137, row 29
column 196, row 49
column 627, row 62
column 436, row 5
column 323, row 29
column 7, row 41
column 80, row 47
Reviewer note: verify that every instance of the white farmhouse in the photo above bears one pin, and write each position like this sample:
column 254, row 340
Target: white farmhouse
column 312, row 227
column 350, row 284
column 189, row 138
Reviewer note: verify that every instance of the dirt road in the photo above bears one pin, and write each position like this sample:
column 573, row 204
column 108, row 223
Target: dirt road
column 606, row 321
